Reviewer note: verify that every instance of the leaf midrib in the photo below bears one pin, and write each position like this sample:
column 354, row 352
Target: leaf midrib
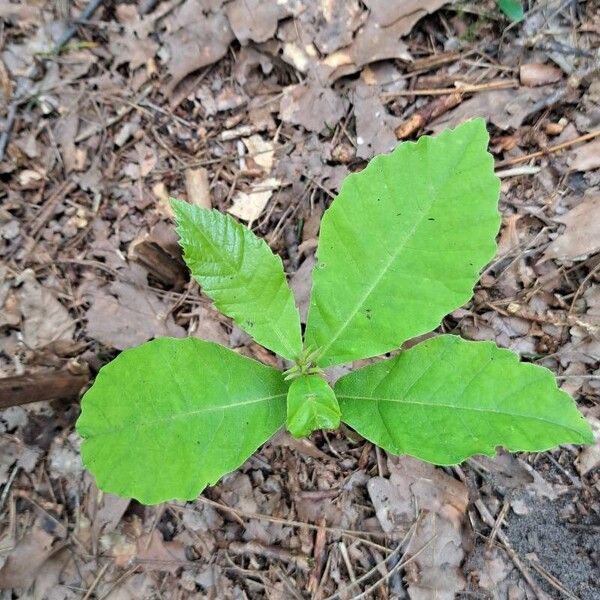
column 458, row 407
column 377, row 280
column 186, row 414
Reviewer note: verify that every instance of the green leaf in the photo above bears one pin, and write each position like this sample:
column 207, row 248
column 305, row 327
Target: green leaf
column 311, row 404
column 402, row 244
column 513, row 9
column 447, row 399
column 164, row 420
column 242, row 275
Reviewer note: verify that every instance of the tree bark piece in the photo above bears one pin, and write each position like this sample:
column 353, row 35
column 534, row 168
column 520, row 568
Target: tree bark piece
column 44, row 385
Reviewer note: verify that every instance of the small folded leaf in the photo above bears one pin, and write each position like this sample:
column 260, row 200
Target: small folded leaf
column 402, row 244
column 447, row 399
column 164, row 420
column 311, row 404
column 241, row 274
column 513, row 9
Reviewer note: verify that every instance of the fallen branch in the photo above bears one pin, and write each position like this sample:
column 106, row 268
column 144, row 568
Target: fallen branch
column 42, row 386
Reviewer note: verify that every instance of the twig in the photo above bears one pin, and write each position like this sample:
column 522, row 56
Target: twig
column 433, row 109
column 578, row 140
column 340, row 593
column 518, row 171
column 555, row 583
column 96, row 581
column 86, row 13
column 396, row 567
column 8, row 485
column 463, row 89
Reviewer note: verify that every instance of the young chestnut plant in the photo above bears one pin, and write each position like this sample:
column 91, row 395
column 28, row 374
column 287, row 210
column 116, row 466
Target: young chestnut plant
column 400, row 247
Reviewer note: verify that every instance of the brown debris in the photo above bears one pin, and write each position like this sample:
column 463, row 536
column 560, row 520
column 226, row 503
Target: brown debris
column 536, row 74
column 423, row 116
column 261, row 109
column 582, row 234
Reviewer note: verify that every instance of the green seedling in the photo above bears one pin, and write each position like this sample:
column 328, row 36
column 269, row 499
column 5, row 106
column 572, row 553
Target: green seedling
column 400, row 247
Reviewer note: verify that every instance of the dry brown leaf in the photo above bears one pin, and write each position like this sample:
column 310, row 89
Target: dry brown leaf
column 435, row 574
column 45, row 319
column 419, row 489
column 197, row 187
column 586, row 157
column 128, row 316
column 388, row 12
column 25, row 559
column 582, row 234
column 504, row 108
column 248, row 206
column 157, row 554
column 535, row 74
column 207, row 327
column 132, row 42
column 589, row 457
column 301, row 283
column 14, row 454
column 380, row 37
column 261, row 151
column 374, row 125
column 255, row 20
column 195, row 41
column 371, row 43
column 311, row 105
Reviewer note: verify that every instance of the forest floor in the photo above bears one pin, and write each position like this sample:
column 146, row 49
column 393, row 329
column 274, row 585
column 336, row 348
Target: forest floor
column 260, row 109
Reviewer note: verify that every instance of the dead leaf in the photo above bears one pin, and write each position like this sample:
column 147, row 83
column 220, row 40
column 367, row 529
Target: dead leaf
column 586, row 157
column 261, row 151
column 157, row 554
column 45, row 319
column 589, row 457
column 195, row 40
column 132, row 42
column 535, row 74
column 248, row 206
column 25, row 559
column 374, row 125
column 435, row 574
column 419, row 492
column 197, row 187
column 380, row 37
column 124, row 315
column 207, row 327
column 582, row 234
column 14, row 454
column 311, row 105
column 335, row 24
column 255, row 20
column 504, row 108
column 389, row 12
column 301, row 283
